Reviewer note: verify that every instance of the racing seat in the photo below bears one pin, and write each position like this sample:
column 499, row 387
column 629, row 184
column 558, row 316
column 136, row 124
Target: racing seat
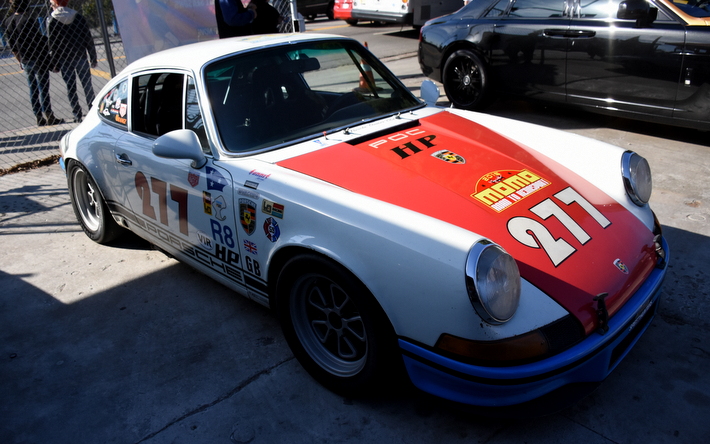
column 169, row 112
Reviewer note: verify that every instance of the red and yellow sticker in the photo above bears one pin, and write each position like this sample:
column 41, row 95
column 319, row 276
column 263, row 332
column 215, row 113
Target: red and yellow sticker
column 501, row 189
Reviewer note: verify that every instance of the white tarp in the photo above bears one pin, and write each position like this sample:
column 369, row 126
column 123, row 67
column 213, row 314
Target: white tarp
column 148, row 26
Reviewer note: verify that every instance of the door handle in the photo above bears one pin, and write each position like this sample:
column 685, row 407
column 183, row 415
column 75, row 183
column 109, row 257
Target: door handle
column 123, row 159
column 554, row 32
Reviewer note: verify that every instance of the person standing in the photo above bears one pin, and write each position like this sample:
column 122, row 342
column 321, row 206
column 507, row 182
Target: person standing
column 30, row 49
column 70, row 42
column 268, row 20
column 233, row 19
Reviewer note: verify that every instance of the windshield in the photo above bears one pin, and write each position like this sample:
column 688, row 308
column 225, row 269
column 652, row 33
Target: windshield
column 291, row 92
column 696, row 8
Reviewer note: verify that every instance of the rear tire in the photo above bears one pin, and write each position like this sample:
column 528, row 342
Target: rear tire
column 89, row 206
column 465, row 80
column 334, row 326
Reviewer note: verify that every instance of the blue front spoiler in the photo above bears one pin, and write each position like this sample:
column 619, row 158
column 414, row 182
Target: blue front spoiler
column 591, row 360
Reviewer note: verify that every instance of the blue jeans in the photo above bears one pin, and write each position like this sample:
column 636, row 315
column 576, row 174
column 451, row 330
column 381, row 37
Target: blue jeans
column 70, row 70
column 38, row 82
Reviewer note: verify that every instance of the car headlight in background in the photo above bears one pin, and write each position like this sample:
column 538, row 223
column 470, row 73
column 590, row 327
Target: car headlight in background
column 493, row 282
column 637, row 177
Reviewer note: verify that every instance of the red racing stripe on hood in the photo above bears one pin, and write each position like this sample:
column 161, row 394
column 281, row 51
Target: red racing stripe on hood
column 569, row 238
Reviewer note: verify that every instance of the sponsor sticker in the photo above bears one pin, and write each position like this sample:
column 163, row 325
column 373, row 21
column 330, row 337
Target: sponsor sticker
column 218, row 205
column 258, row 175
column 271, row 229
column 272, row 209
column 207, row 202
column 248, row 193
column 193, row 177
column 501, row 189
column 247, row 215
column 251, row 184
column 205, row 240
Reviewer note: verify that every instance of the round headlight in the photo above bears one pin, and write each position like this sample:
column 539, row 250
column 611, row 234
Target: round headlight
column 637, row 177
column 493, row 282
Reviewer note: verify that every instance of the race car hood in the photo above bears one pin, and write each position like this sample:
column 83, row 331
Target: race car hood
column 569, row 239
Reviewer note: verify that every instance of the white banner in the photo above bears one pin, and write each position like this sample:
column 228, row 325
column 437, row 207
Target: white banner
column 148, row 26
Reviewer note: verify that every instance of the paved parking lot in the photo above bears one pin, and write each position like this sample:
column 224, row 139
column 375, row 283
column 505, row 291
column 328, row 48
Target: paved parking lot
column 123, row 344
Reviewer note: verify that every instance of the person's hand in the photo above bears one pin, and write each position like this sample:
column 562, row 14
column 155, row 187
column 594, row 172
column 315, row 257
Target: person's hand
column 252, row 8
column 94, row 63
column 54, row 69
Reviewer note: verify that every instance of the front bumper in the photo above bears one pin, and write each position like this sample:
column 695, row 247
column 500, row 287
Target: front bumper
column 592, row 360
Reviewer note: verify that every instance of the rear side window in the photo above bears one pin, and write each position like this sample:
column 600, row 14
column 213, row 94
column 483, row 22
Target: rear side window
column 537, row 9
column 113, row 107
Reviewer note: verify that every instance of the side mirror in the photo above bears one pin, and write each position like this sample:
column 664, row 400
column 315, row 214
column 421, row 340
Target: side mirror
column 180, row 144
column 429, row 92
column 638, row 10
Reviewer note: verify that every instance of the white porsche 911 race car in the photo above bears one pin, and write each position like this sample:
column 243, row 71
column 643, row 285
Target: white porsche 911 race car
column 495, row 261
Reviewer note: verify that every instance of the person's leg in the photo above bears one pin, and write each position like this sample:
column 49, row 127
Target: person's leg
column 43, row 82
column 31, row 75
column 69, row 77
column 84, row 72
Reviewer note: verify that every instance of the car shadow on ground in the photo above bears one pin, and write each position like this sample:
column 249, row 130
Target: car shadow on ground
column 568, row 118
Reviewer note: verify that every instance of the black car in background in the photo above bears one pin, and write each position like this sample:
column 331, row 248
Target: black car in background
column 647, row 60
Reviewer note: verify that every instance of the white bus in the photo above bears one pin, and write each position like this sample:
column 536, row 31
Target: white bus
column 407, row 12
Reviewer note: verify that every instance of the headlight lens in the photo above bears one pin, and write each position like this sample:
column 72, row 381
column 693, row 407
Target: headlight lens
column 637, row 177
column 493, row 282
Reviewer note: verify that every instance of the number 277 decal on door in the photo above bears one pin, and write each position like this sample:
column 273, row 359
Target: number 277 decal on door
column 534, row 234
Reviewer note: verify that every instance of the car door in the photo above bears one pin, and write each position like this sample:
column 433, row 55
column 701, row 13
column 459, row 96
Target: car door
column 529, row 50
column 693, row 102
column 624, row 64
column 184, row 209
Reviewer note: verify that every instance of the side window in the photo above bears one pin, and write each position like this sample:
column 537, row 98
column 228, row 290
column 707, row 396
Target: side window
column 157, row 103
column 193, row 116
column 498, row 9
column 537, row 9
column 114, row 105
column 596, row 10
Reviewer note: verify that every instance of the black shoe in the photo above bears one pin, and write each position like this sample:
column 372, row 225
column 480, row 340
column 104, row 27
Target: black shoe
column 52, row 120
column 78, row 119
column 41, row 121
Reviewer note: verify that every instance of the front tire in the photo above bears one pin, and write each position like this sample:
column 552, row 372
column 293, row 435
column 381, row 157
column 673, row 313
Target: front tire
column 334, row 326
column 89, row 206
column 465, row 80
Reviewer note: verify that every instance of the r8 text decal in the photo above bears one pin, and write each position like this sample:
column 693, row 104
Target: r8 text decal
column 534, row 234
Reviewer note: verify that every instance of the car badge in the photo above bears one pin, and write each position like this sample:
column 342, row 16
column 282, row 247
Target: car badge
column 449, row 156
column 621, row 266
column 247, row 211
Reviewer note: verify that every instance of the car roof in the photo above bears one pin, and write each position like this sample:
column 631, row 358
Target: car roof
column 195, row 56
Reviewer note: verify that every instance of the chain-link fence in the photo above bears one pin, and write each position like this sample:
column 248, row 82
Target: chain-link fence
column 46, row 95
column 80, row 37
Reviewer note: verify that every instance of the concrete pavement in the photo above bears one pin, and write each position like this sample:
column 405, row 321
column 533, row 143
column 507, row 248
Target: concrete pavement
column 122, row 344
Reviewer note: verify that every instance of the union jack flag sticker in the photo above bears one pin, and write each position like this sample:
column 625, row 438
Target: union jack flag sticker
column 250, row 246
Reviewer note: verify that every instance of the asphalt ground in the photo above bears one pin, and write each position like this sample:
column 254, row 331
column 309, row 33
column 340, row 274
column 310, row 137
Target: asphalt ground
column 122, row 344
